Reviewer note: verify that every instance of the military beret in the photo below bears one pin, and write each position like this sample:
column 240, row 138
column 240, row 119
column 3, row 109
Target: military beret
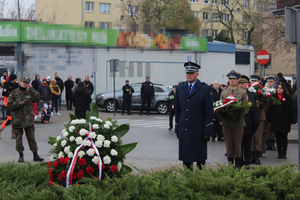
column 25, row 79
column 244, row 79
column 271, row 78
column 234, row 74
column 254, row 77
column 191, row 67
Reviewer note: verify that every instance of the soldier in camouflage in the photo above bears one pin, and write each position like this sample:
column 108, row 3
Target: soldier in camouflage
column 20, row 104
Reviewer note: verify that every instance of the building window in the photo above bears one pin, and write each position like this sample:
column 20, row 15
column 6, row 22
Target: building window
column 215, row 33
column 89, row 24
column 238, row 10
column 255, row 4
column 205, row 1
column 225, row 17
column 133, row 10
column 205, row 16
column 214, row 17
column 205, row 32
column 89, row 6
column 245, row 35
column 194, row 1
column 105, row 25
column 196, row 14
column 104, row 7
column 245, row 19
column 246, row 3
column 225, row 2
column 121, row 18
column 121, row 1
column 227, row 33
column 215, row 2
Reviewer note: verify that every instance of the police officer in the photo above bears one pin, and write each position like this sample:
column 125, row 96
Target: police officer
column 127, row 93
column 233, row 131
column 171, row 107
column 147, row 94
column 257, row 137
column 251, row 120
column 193, row 117
column 20, row 104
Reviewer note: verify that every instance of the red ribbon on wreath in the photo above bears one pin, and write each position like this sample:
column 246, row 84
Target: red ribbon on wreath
column 230, row 99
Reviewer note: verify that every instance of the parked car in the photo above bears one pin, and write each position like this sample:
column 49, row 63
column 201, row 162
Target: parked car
column 159, row 103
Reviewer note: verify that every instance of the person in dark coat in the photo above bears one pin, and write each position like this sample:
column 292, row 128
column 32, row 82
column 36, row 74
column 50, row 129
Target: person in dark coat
column 194, row 114
column 147, row 94
column 36, row 82
column 81, row 100
column 252, row 120
column 171, row 103
column 217, row 128
column 127, row 93
column 45, row 94
column 281, row 117
column 89, row 85
column 281, row 79
column 60, row 84
column 69, row 92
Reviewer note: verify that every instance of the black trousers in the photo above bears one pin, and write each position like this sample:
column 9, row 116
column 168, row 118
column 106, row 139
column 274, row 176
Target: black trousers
column 281, row 140
column 171, row 115
column 146, row 98
column 246, row 149
column 69, row 103
column 217, row 129
column 126, row 102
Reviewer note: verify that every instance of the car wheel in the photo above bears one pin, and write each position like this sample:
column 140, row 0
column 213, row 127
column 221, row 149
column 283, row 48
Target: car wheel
column 109, row 105
column 162, row 108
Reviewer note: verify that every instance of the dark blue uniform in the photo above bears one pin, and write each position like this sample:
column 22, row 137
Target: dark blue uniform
column 194, row 114
column 127, row 93
column 147, row 93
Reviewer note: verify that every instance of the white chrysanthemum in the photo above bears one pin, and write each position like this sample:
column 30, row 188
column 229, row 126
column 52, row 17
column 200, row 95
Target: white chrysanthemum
column 58, row 138
column 96, row 126
column 106, row 143
column 90, row 152
column 67, row 149
column 71, row 128
column 106, row 160
column 87, row 143
column 83, row 131
column 114, row 138
column 119, row 166
column 108, row 123
column 72, row 138
column 65, row 134
column 74, row 121
column 95, row 160
column 113, row 152
column 100, row 137
column 82, row 121
column 106, row 126
column 92, row 118
column 64, row 130
column 92, row 135
column 52, row 159
column 60, row 154
column 70, row 154
column 63, row 143
column 99, row 120
column 55, row 145
column 81, row 154
column 78, row 140
column 98, row 143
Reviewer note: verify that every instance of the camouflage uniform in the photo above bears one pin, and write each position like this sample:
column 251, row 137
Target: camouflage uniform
column 23, row 116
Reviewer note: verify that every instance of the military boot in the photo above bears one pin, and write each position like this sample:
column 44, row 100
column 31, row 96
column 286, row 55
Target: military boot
column 252, row 155
column 230, row 161
column 272, row 142
column 238, row 163
column 268, row 145
column 36, row 157
column 13, row 135
column 21, row 157
column 257, row 161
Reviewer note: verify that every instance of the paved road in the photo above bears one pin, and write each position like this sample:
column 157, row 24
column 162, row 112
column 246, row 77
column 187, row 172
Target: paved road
column 157, row 146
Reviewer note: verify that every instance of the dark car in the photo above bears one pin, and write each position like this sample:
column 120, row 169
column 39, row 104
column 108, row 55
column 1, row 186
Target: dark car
column 159, row 103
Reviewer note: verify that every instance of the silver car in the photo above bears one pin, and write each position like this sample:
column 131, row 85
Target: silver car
column 159, row 103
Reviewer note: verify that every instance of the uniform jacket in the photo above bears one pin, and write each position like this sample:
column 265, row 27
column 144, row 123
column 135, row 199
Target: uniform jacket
column 8, row 88
column 36, row 83
column 193, row 117
column 22, row 115
column 89, row 85
column 281, row 116
column 69, row 86
column 147, row 89
column 126, row 89
column 55, row 90
column 60, row 84
column 252, row 118
column 81, row 100
column 240, row 95
column 171, row 102
column 45, row 92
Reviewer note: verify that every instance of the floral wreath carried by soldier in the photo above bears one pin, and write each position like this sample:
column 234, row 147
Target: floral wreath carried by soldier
column 264, row 95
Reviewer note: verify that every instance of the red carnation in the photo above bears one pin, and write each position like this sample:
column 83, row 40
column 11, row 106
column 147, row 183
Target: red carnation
column 268, row 95
column 49, row 164
column 61, row 160
column 80, row 174
column 62, row 175
column 113, row 168
column 82, row 162
column 225, row 100
column 50, row 173
column 89, row 170
column 258, row 92
column 261, row 86
column 103, row 166
column 74, row 176
column 51, row 183
column 55, row 164
column 66, row 160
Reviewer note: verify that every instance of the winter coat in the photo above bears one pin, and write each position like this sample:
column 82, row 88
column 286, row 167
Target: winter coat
column 216, row 97
column 252, row 118
column 147, row 89
column 193, row 118
column 45, row 92
column 281, row 116
column 60, row 84
column 171, row 102
column 89, row 85
column 81, row 100
column 36, row 83
column 55, row 90
column 69, row 86
column 22, row 115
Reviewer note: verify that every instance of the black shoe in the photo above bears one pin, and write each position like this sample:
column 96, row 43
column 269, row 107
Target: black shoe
column 148, row 114
column 257, row 161
column 213, row 139
column 170, row 128
column 122, row 113
column 140, row 114
column 36, row 157
column 21, row 157
column 71, row 109
column 129, row 114
column 283, row 155
column 225, row 154
column 280, row 155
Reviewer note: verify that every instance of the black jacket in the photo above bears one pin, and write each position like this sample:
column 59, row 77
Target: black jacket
column 147, row 89
column 69, row 86
column 89, row 85
column 8, row 88
column 36, row 83
column 126, row 89
column 171, row 102
column 281, row 116
column 216, row 97
column 81, row 100
column 60, row 84
column 252, row 118
column 283, row 80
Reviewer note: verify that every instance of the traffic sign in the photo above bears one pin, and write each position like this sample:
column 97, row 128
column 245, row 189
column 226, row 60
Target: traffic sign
column 263, row 57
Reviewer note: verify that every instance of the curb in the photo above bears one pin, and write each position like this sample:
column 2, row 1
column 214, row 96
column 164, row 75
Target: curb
column 293, row 141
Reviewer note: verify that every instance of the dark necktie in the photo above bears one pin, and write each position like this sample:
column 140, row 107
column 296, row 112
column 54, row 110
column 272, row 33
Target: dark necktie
column 191, row 86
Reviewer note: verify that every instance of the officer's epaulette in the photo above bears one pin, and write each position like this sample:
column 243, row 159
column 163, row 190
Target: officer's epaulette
column 205, row 84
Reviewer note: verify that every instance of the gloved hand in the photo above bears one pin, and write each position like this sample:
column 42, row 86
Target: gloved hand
column 205, row 138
